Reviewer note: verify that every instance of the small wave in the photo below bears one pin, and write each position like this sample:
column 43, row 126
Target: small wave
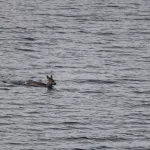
column 29, row 39
column 111, row 20
column 33, row 112
column 77, row 138
column 22, row 28
column 142, row 92
column 5, row 89
column 145, row 33
column 53, row 27
column 38, row 103
column 100, row 148
column 25, row 49
column 112, row 138
column 72, row 123
column 6, row 117
column 134, row 80
column 79, row 149
column 15, row 143
column 97, row 81
column 146, row 19
column 15, row 104
column 5, row 124
column 105, row 33
column 93, row 148
column 92, row 92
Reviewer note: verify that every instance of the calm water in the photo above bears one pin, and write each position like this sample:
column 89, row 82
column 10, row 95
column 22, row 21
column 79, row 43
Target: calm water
column 99, row 53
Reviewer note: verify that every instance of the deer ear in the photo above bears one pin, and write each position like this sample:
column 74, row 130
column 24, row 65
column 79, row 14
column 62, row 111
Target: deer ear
column 47, row 77
column 51, row 77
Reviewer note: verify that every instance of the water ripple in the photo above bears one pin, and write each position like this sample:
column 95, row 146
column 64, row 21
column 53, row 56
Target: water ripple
column 98, row 53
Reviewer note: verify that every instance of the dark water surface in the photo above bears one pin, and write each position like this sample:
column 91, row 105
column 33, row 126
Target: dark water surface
column 99, row 53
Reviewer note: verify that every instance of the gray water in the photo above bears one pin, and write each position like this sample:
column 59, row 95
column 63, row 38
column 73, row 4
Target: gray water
column 99, row 54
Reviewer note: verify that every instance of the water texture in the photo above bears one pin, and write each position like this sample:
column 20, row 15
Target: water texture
column 99, row 54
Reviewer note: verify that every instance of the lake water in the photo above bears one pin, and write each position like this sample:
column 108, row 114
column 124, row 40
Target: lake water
column 99, row 54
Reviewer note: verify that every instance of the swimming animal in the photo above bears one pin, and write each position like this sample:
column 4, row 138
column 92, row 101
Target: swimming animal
column 49, row 84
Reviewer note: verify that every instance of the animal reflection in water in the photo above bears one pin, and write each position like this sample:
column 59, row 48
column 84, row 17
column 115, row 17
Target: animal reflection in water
column 50, row 83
